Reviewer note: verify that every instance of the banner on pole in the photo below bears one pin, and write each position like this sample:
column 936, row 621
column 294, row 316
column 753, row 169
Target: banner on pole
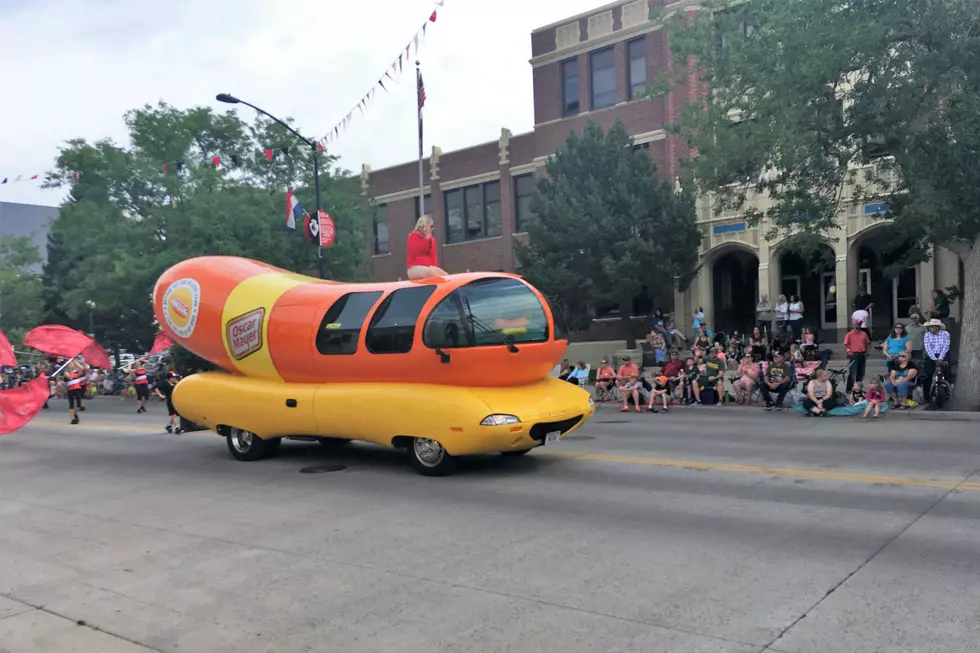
column 328, row 230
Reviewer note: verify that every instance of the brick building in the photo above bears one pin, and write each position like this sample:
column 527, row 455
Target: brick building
column 592, row 67
column 595, row 67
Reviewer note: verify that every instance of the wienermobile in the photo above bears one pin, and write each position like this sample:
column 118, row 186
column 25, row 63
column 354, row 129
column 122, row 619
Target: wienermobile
column 441, row 367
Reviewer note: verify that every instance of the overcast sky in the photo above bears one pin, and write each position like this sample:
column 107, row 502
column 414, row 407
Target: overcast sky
column 71, row 68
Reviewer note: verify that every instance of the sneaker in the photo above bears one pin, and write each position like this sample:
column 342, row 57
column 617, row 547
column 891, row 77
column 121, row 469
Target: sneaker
column 664, row 409
column 718, row 404
column 170, row 429
column 654, row 411
column 769, row 408
column 639, row 410
column 178, row 430
column 75, row 421
column 624, row 409
column 81, row 408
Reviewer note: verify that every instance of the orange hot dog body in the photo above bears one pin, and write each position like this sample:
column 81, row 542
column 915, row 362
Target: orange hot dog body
column 257, row 320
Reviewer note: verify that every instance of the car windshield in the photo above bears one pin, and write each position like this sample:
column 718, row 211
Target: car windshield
column 487, row 312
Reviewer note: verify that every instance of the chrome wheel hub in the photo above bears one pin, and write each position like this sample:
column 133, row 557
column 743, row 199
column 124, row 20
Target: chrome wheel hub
column 241, row 440
column 429, row 452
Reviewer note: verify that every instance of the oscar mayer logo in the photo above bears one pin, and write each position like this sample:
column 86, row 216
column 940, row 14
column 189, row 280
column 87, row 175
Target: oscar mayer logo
column 245, row 333
column 181, row 303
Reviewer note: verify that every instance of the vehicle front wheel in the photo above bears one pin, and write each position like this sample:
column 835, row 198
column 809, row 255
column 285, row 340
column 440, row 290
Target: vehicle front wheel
column 514, row 454
column 246, row 446
column 429, row 457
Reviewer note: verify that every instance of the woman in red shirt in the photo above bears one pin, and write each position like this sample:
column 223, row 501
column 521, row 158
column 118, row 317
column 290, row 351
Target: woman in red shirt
column 421, row 259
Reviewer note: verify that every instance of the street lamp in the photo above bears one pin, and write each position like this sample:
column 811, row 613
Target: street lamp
column 91, row 317
column 231, row 99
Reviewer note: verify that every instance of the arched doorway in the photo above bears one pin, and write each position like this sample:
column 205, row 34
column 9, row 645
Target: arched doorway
column 734, row 289
column 894, row 288
column 812, row 278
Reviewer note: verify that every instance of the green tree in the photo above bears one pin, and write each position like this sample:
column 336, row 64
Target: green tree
column 20, row 287
column 818, row 102
column 607, row 228
column 127, row 219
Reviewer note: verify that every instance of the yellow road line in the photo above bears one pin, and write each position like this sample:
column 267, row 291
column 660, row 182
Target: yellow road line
column 815, row 474
column 772, row 471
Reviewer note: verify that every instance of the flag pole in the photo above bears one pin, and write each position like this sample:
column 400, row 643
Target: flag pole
column 418, row 91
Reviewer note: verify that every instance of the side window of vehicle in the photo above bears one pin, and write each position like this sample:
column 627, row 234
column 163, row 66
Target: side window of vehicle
column 392, row 329
column 446, row 328
column 341, row 326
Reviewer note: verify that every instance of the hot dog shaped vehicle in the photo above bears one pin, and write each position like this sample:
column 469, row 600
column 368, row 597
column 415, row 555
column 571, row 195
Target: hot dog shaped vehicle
column 440, row 367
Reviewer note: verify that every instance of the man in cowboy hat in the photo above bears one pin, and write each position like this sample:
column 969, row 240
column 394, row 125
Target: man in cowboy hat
column 936, row 345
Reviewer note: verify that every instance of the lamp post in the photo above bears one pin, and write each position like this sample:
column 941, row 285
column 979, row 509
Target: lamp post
column 231, row 99
column 91, row 317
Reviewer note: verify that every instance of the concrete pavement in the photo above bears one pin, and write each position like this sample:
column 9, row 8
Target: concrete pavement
column 707, row 529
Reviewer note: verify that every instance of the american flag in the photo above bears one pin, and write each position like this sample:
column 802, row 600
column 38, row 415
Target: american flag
column 421, row 92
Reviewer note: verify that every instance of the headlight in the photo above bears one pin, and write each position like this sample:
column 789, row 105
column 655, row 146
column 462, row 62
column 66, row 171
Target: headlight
column 499, row 420
column 591, row 402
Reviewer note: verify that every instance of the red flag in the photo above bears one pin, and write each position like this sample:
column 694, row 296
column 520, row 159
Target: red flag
column 433, row 16
column 96, row 356
column 58, row 340
column 162, row 342
column 268, row 154
column 6, row 352
column 216, row 160
column 74, row 176
column 34, row 177
column 18, row 406
column 164, row 168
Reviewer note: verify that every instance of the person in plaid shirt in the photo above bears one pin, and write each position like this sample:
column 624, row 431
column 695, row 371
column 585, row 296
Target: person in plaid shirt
column 936, row 345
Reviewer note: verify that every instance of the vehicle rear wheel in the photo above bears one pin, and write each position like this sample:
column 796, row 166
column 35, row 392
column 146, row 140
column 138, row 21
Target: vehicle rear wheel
column 332, row 443
column 247, row 447
column 514, row 454
column 429, row 457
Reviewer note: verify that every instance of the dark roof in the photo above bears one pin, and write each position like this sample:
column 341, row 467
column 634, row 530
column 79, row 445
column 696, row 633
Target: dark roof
column 27, row 220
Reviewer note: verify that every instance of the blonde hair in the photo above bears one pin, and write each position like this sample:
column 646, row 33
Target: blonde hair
column 422, row 222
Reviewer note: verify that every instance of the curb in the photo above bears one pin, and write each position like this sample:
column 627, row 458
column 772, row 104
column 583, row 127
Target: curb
column 944, row 415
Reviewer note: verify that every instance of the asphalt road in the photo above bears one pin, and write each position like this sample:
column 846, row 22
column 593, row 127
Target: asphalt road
column 705, row 530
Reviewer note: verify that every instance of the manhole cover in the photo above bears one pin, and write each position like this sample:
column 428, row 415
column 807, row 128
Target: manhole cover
column 322, row 469
column 578, row 437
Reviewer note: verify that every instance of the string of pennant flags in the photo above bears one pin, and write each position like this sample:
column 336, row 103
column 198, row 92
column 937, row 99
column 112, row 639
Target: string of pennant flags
column 268, row 154
column 390, row 75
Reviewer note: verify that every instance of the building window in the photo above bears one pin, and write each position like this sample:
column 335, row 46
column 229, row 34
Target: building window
column 491, row 199
column 637, row 69
column 523, row 192
column 392, row 329
column 340, row 328
column 382, row 245
column 603, row 78
column 473, row 212
column 426, row 207
column 569, row 87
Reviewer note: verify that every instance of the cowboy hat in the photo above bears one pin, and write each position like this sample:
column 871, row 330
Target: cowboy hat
column 935, row 323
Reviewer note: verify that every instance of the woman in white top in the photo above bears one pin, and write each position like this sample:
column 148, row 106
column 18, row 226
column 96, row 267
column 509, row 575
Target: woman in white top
column 796, row 317
column 782, row 313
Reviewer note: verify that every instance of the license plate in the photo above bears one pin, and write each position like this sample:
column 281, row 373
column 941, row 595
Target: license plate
column 552, row 438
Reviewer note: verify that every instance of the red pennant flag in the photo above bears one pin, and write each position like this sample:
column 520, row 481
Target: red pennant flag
column 58, row 340
column 18, row 406
column 162, row 342
column 95, row 355
column 432, row 18
column 34, row 177
column 164, row 168
column 216, row 160
column 268, row 154
column 6, row 352
column 74, row 176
